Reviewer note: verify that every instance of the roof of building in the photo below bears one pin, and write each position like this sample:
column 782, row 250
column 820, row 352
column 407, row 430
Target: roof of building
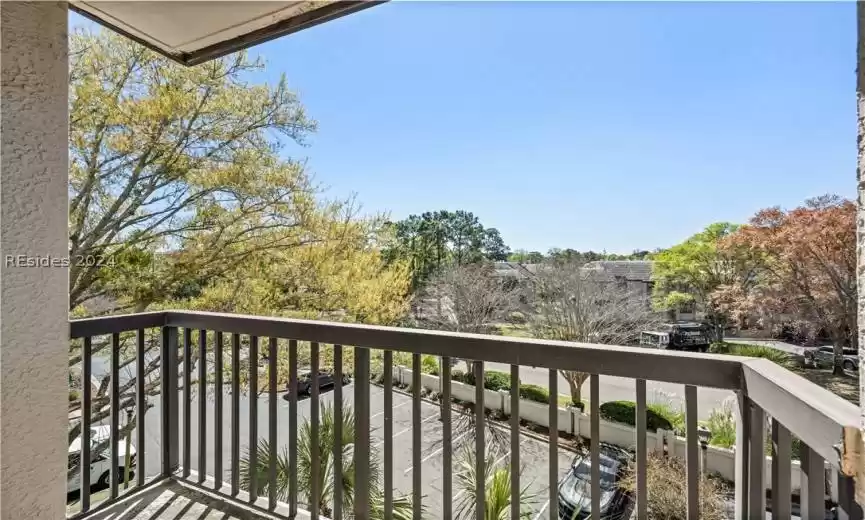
column 633, row 270
column 514, row 270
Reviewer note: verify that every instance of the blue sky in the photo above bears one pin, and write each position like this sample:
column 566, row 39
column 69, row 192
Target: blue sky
column 612, row 126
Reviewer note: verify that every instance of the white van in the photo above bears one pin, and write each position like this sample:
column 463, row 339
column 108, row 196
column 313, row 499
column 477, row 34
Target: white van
column 100, row 464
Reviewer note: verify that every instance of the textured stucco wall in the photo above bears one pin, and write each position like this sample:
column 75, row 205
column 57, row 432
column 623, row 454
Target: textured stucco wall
column 860, row 224
column 33, row 221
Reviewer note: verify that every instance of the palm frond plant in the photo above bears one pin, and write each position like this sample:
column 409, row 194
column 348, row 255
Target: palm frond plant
column 497, row 478
column 402, row 505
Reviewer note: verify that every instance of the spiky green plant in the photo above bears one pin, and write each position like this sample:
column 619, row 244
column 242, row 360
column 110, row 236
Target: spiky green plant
column 497, row 478
column 402, row 505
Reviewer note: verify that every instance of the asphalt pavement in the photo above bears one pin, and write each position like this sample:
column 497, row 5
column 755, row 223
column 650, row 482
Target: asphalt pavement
column 534, row 454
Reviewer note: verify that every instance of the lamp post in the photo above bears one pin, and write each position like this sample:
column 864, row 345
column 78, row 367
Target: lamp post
column 128, row 462
column 704, row 435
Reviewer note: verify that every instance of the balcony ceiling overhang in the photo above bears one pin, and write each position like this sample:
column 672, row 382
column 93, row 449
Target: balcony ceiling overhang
column 192, row 32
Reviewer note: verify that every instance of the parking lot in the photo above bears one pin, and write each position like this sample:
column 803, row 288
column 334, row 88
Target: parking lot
column 534, row 454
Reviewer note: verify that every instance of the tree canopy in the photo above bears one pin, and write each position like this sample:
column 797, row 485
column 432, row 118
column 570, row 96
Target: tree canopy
column 693, row 270
column 809, row 266
column 433, row 240
column 182, row 186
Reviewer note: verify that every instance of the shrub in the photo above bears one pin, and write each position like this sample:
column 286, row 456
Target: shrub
column 625, row 412
column 535, row 393
column 462, row 377
column 73, row 395
column 667, row 493
column 429, row 365
column 675, row 416
column 722, row 424
column 754, row 351
column 495, row 380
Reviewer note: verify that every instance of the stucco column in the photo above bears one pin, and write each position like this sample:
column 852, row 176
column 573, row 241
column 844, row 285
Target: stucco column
column 33, row 222
column 860, row 227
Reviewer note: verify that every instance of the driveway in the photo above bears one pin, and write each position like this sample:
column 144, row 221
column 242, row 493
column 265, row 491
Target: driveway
column 621, row 388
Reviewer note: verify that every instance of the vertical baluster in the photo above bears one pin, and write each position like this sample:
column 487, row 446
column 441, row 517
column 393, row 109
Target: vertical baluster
column 640, row 420
column 416, row 428
column 202, row 405
column 848, row 509
column 170, row 427
column 114, row 411
column 813, row 484
column 480, row 443
column 757, row 463
column 187, row 400
column 447, row 446
column 554, row 443
column 595, row 397
column 515, row 443
column 692, row 452
column 86, row 399
column 742, row 454
column 781, row 446
column 235, row 414
column 253, row 419
column 313, row 416
column 337, row 432
column 293, row 427
column 361, row 433
column 272, row 355
column 140, row 406
column 217, row 411
column 388, row 435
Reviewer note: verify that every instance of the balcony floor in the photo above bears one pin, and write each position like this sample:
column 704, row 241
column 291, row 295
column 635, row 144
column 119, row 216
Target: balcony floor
column 171, row 500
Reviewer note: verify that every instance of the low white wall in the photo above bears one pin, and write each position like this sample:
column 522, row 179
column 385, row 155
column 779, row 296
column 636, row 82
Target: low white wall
column 718, row 460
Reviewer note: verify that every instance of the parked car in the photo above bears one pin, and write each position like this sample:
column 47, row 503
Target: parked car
column 824, row 357
column 575, row 489
column 100, row 463
column 325, row 380
column 680, row 335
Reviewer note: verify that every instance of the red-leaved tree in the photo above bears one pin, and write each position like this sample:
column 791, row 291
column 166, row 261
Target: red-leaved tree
column 808, row 267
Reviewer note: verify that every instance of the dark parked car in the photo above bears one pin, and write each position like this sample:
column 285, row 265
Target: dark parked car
column 575, row 490
column 325, row 380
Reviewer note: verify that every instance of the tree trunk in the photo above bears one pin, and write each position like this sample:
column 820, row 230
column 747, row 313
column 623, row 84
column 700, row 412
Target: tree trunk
column 838, row 358
column 576, row 393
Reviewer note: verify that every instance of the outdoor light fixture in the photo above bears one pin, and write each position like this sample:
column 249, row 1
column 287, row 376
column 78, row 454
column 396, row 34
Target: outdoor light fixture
column 704, row 435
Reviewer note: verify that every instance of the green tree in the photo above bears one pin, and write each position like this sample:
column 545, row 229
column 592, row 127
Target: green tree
column 179, row 184
column 176, row 173
column 402, row 505
column 698, row 267
column 433, row 240
column 494, row 248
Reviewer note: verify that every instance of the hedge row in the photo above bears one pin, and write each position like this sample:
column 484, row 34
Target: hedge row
column 493, row 379
column 625, row 412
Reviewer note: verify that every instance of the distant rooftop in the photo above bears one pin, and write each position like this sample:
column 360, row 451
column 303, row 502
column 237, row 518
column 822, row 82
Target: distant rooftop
column 632, row 270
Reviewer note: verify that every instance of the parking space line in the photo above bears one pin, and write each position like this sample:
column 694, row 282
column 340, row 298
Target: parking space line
column 379, row 414
column 428, row 419
column 436, row 452
column 541, row 512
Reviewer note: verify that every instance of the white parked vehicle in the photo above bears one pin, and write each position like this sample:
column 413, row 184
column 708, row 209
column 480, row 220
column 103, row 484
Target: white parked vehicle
column 100, row 464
